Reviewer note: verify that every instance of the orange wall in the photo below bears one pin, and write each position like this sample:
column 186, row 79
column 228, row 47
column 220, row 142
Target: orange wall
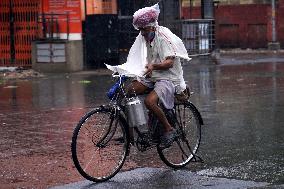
column 73, row 7
column 101, row 7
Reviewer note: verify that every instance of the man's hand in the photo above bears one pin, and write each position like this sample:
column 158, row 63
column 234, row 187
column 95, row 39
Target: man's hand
column 149, row 69
column 165, row 65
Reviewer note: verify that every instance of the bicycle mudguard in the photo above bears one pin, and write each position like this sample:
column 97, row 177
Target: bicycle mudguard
column 196, row 111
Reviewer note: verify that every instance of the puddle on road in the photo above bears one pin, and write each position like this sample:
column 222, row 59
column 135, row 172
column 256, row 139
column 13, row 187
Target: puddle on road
column 54, row 92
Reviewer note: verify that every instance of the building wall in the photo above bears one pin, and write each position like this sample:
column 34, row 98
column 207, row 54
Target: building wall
column 237, row 27
column 66, row 19
column 243, row 25
column 226, row 2
column 101, row 7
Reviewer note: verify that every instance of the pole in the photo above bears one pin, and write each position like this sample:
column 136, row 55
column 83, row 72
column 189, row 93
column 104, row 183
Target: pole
column 12, row 33
column 273, row 22
column 190, row 9
column 274, row 44
column 84, row 35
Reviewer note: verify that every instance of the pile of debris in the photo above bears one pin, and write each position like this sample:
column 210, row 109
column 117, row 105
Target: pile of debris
column 18, row 73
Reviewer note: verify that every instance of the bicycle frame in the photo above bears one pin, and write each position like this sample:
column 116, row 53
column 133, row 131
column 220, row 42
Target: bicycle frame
column 118, row 100
column 112, row 133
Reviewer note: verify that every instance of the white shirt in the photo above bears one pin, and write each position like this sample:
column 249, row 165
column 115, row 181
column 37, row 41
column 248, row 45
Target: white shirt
column 157, row 51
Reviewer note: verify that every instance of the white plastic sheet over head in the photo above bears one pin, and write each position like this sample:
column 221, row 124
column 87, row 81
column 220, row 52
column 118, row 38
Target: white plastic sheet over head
column 147, row 16
column 137, row 57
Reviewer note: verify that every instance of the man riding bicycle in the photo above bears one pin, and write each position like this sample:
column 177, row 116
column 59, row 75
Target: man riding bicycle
column 158, row 51
column 163, row 72
column 101, row 140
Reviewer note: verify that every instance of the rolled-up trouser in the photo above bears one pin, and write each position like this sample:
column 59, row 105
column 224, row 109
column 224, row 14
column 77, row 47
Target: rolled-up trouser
column 165, row 90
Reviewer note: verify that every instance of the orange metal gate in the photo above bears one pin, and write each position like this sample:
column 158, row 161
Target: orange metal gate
column 18, row 27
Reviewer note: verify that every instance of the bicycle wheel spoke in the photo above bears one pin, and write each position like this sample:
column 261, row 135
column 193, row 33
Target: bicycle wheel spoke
column 110, row 133
column 95, row 152
column 85, row 168
column 183, row 152
column 189, row 128
column 109, row 128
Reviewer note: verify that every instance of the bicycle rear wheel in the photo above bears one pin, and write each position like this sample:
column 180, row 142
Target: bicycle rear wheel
column 187, row 121
column 99, row 145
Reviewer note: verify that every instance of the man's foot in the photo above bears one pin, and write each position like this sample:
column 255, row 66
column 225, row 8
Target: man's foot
column 167, row 139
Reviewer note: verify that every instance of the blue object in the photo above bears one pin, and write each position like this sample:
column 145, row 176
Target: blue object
column 112, row 91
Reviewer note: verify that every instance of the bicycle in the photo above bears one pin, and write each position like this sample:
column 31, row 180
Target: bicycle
column 102, row 139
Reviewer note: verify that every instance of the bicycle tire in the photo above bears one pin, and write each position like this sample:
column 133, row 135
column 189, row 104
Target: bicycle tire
column 188, row 123
column 85, row 145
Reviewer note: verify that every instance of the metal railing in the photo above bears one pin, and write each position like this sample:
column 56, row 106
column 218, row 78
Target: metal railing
column 198, row 35
column 51, row 26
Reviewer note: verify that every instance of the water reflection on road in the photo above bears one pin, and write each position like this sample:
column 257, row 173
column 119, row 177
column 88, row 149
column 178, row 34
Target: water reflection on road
column 53, row 91
column 242, row 107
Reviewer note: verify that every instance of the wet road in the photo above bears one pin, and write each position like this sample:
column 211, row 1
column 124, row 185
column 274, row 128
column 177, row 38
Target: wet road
column 152, row 178
column 242, row 106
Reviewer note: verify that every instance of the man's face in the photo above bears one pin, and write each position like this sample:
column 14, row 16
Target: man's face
column 148, row 33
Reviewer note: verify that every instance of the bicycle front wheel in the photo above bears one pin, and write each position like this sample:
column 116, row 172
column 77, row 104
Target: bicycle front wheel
column 99, row 145
column 187, row 121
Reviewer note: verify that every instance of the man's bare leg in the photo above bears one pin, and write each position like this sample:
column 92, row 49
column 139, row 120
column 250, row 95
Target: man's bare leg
column 137, row 88
column 151, row 103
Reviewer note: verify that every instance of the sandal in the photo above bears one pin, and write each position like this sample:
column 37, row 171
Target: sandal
column 167, row 139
